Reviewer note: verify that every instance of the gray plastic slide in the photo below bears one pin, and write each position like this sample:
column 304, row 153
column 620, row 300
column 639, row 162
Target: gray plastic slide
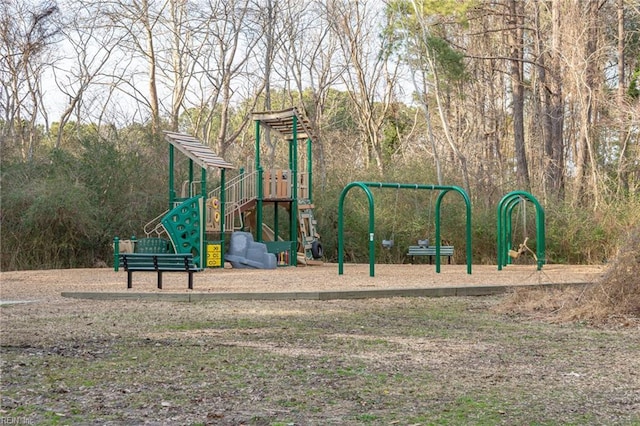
column 246, row 253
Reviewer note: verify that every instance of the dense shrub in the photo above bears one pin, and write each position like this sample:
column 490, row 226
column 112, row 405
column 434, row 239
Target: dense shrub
column 63, row 210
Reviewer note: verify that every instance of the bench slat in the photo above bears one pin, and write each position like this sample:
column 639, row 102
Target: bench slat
column 170, row 269
column 158, row 265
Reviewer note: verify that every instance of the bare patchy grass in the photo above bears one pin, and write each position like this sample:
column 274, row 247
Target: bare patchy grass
column 400, row 361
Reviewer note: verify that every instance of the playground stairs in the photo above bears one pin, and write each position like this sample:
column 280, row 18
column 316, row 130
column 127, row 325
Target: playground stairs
column 307, row 233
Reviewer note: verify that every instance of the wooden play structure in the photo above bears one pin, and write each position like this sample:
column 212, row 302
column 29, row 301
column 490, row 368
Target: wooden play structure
column 274, row 205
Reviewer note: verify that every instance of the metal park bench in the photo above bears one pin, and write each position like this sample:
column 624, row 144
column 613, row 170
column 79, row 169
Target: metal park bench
column 158, row 262
column 430, row 251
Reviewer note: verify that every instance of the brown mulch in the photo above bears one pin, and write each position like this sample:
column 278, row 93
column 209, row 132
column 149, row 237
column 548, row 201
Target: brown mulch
column 49, row 284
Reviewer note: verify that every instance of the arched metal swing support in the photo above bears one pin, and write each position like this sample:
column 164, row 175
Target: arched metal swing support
column 444, row 189
column 506, row 207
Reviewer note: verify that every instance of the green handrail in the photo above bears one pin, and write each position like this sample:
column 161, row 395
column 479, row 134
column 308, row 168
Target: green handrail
column 444, row 189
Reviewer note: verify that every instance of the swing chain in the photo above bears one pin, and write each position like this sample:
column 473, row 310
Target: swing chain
column 389, row 243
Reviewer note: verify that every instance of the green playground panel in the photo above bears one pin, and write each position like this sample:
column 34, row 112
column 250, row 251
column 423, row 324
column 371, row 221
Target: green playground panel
column 183, row 226
column 284, row 250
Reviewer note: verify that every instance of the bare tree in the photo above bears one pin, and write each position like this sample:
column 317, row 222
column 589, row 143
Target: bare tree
column 417, row 22
column 224, row 70
column 624, row 134
column 310, row 59
column 27, row 35
column 368, row 77
column 516, row 58
column 550, row 72
column 92, row 43
column 178, row 58
column 583, row 57
column 139, row 20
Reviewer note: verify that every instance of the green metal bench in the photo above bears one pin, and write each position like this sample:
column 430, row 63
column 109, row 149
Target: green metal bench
column 158, row 262
column 430, row 251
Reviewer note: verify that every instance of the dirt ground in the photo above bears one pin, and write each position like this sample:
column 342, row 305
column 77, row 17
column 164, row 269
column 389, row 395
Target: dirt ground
column 49, row 284
column 396, row 361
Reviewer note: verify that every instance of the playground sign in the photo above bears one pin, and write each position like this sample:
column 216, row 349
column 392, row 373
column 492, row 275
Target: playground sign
column 214, row 255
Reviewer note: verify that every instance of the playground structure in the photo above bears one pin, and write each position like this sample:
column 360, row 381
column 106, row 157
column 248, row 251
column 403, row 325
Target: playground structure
column 199, row 221
column 443, row 190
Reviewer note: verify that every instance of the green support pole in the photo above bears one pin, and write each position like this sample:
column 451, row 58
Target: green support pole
column 294, row 180
column 274, row 225
column 257, row 127
column 203, row 219
column 259, row 202
column 189, row 193
column 172, row 192
column 223, row 199
column 259, row 206
column 372, row 246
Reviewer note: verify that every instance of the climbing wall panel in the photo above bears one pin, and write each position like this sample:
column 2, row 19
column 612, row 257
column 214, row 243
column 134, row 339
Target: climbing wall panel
column 183, row 224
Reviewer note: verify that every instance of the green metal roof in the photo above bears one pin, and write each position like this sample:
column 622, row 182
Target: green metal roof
column 196, row 151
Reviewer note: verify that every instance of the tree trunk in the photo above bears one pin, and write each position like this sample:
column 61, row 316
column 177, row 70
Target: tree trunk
column 516, row 9
column 553, row 108
column 154, row 104
column 623, row 136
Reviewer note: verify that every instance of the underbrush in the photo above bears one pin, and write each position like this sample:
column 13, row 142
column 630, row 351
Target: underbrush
column 614, row 299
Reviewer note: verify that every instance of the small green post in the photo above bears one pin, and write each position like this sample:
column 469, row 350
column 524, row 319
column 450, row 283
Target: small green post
column 116, row 254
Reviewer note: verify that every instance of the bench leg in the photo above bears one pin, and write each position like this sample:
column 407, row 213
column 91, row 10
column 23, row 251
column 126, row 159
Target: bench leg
column 190, row 280
column 160, row 280
column 129, row 279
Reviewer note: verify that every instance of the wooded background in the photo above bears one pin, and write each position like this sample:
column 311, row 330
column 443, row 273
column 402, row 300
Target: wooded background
column 493, row 96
